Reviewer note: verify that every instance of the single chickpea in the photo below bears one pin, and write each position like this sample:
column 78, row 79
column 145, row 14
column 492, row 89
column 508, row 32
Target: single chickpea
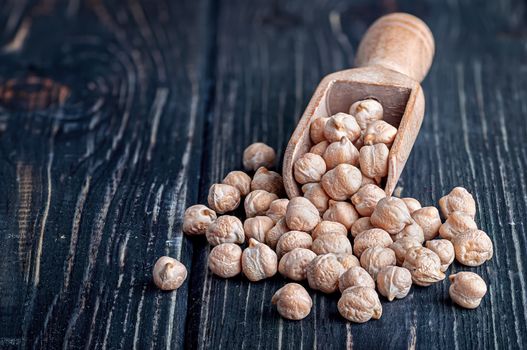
column 444, row 250
column 375, row 258
column 459, row 199
column 259, row 261
column 355, row 276
column 291, row 240
column 226, row 229
column 467, row 289
column 223, row 198
column 292, row 301
column 366, row 198
column 412, row 230
column 361, row 225
column 319, row 148
column 239, row 180
column 360, row 304
column 258, row 154
column 316, row 129
column 225, row 260
column 341, row 152
column 369, row 181
column 258, row 202
column 309, row 168
column 401, row 246
column 325, row 227
column 412, row 204
column 342, row 182
column 391, row 214
column 301, row 215
column 366, row 112
column 267, row 180
column 333, row 242
column 257, row 227
column 424, row 265
column 429, row 220
column 457, row 223
column 342, row 212
column 347, row 260
column 197, row 219
column 379, row 131
column 473, row 248
column 323, row 273
column 375, row 237
column 394, row 282
column 277, row 209
column 168, row 273
column 374, row 160
column 293, row 264
column 341, row 125
column 316, row 195
column 273, row 235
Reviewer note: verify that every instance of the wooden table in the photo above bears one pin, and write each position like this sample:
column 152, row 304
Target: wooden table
column 116, row 116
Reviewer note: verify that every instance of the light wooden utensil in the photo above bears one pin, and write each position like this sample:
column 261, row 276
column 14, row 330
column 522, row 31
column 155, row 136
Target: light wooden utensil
column 392, row 59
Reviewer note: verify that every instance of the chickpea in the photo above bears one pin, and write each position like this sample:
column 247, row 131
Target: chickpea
column 323, row 273
column 319, row 148
column 375, row 237
column 459, row 199
column 342, row 212
column 341, row 152
column 267, row 180
column 401, row 246
column 412, row 230
column 457, row 223
column 291, row 240
column 197, row 219
column 301, row 215
column 258, row 154
column 316, row 195
column 325, row 227
column 424, row 265
column 366, row 112
column 369, row 181
column 394, row 282
column 467, row 289
column 347, row 260
column 257, row 227
column 429, row 220
column 239, row 180
column 293, row 264
column 379, row 131
column 391, row 214
column 341, row 182
column 226, row 229
column 225, row 260
column 444, row 250
column 374, row 160
column 168, row 273
column 258, row 261
column 361, row 225
column 316, row 129
column 277, row 209
column 360, row 304
column 258, row 202
column 412, row 204
column 366, row 198
column 309, row 168
column 355, row 276
column 358, row 143
column 333, row 242
column 341, row 125
column 473, row 248
column 292, row 301
column 273, row 235
column 223, row 198
column 375, row 258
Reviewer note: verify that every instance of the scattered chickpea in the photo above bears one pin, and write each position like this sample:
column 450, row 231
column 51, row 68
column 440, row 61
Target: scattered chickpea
column 225, row 260
column 360, row 304
column 226, row 229
column 277, row 209
column 412, row 230
column 223, row 198
column 374, row 160
column 457, row 223
column 259, row 261
column 375, row 258
column 258, row 154
column 292, row 301
column 291, row 240
column 341, row 125
column 197, row 219
column 273, row 235
column 333, row 242
column 301, row 215
column 342, row 182
column 355, row 276
column 429, row 220
column 473, row 247
column 342, row 212
column 375, row 237
column 316, row 195
column 257, row 227
column 394, row 282
column 366, row 198
column 293, row 264
column 325, row 227
column 319, row 148
column 240, row 180
column 467, row 289
column 347, row 260
column 412, row 204
column 258, row 202
column 444, row 250
column 267, row 180
column 459, row 199
column 168, row 273
column 309, row 168
column 341, row 152
column 424, row 265
column 401, row 246
column 366, row 112
column 391, row 214
column 361, row 225
column 316, row 129
column 323, row 273
column 379, row 131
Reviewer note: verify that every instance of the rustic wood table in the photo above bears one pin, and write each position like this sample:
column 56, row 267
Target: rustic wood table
column 116, row 116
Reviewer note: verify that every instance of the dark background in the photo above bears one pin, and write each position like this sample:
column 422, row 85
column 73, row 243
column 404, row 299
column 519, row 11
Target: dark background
column 117, row 115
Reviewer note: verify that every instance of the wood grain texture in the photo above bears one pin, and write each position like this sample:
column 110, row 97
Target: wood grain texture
column 115, row 116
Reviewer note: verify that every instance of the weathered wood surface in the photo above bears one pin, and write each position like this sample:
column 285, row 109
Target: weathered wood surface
column 115, row 116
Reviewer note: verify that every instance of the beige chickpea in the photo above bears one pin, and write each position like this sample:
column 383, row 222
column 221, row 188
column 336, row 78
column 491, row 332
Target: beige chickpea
column 379, row 131
column 277, row 209
column 394, row 282
column 375, row 258
column 223, row 198
column 366, row 112
column 361, row 225
column 412, row 204
column 341, row 125
column 375, row 237
column 342, row 212
column 259, row 261
column 341, row 152
column 316, row 129
column 325, row 227
column 291, row 240
column 347, row 260
column 401, row 246
column 473, row 247
column 309, row 168
column 225, row 260
column 316, row 195
column 444, row 250
column 457, row 223
column 319, row 148
column 342, row 182
column 301, row 215
column 355, row 276
column 369, row 181
column 258, row 154
column 459, row 199
column 168, row 273
column 267, row 180
column 258, row 202
column 429, row 220
column 424, row 265
column 292, row 301
column 323, row 273
column 412, row 230
column 374, row 160
column 358, row 143
column 226, row 229
column 240, row 180
column 366, row 198
column 293, row 264
column 197, row 219
column 333, row 242
column 391, row 214
column 273, row 235
column 257, row 227
column 360, row 304
column 467, row 289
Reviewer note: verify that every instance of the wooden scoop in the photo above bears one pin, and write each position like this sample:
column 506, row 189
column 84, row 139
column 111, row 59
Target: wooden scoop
column 393, row 58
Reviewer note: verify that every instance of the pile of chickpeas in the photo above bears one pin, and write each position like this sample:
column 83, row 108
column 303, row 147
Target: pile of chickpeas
column 394, row 241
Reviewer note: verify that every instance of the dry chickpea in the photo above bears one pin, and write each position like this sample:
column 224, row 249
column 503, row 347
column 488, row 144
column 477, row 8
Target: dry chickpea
column 292, row 301
column 473, row 247
column 366, row 112
column 319, row 148
column 457, row 223
column 277, row 209
column 341, row 125
column 293, row 264
column 375, row 258
column 394, row 282
column 225, row 260
column 359, row 142
column 325, row 227
column 429, row 220
column 168, row 273
column 291, row 240
column 401, row 246
column 366, row 198
column 258, row 202
column 412, row 230
column 391, row 214
column 355, row 276
column 361, row 225
column 240, row 180
column 316, row 129
column 424, row 265
column 341, row 182
column 342, row 212
column 347, row 260
column 258, row 154
column 341, row 152
column 333, row 242
column 316, row 195
column 301, row 215
column 369, row 181
column 444, row 250
column 360, row 304
column 257, row 227
column 273, row 235
column 374, row 160
column 267, row 180
column 379, row 131
column 375, row 237
column 459, row 199
column 197, row 219
column 309, row 168
column 223, row 198
column 467, row 289
column 226, row 229
column 258, row 261
column 412, row 204
column 323, row 273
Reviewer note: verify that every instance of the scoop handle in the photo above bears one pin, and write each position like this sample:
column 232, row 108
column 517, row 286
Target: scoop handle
column 400, row 42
